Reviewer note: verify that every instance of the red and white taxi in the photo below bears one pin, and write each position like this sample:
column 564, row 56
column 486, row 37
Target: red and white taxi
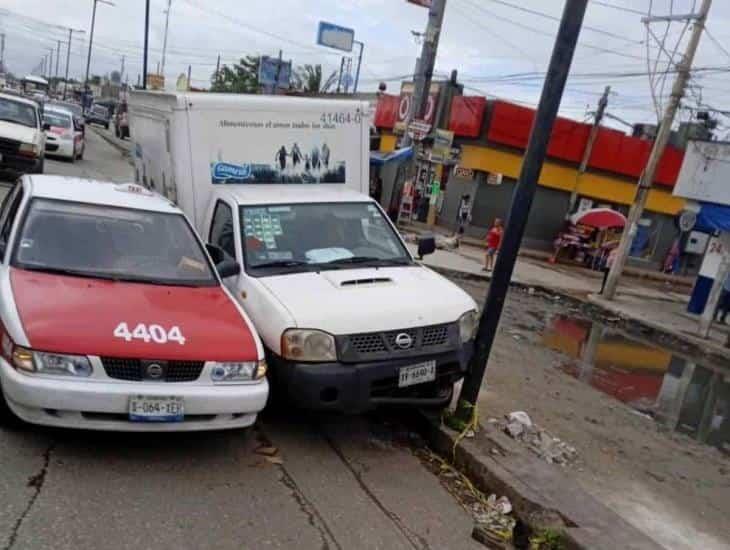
column 113, row 315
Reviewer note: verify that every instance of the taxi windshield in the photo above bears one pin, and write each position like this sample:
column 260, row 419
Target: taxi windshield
column 303, row 237
column 111, row 243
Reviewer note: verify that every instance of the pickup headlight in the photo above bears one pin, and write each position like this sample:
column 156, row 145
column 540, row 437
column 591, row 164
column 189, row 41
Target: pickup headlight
column 29, row 149
column 308, row 345
column 51, row 363
column 238, row 371
column 468, row 324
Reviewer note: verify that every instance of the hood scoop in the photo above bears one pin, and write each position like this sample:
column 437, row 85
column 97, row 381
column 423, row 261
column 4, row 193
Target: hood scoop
column 366, row 281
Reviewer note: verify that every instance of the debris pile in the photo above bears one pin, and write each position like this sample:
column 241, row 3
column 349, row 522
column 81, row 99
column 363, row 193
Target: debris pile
column 552, row 450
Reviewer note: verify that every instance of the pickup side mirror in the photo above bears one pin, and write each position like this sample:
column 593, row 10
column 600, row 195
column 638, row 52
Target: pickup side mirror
column 46, row 126
column 228, row 268
column 216, row 253
column 426, row 245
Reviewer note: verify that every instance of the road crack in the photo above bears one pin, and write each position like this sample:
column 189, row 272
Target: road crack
column 35, row 481
column 414, row 539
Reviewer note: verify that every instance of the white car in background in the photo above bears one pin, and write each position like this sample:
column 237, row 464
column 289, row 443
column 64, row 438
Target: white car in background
column 64, row 138
column 22, row 139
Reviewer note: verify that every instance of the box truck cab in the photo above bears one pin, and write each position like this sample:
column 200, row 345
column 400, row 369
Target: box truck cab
column 349, row 320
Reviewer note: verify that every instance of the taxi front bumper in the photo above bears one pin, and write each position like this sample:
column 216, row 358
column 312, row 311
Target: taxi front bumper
column 104, row 405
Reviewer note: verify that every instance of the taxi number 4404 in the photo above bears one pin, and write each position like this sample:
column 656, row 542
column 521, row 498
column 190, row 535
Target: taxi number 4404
column 152, row 333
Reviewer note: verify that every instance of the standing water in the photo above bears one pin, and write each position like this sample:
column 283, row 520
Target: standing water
column 680, row 394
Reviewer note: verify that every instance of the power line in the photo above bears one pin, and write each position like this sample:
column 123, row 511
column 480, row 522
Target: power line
column 546, row 33
column 554, row 18
column 717, row 42
column 615, row 7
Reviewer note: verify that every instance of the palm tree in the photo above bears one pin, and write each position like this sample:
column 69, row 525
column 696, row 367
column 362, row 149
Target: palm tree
column 309, row 79
column 240, row 78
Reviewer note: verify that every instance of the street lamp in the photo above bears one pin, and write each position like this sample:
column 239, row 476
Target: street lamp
column 91, row 41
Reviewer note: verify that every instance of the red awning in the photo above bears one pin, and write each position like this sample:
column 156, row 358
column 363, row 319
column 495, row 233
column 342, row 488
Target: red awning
column 600, row 218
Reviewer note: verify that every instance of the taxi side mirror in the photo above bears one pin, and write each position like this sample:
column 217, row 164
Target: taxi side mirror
column 426, row 245
column 228, row 268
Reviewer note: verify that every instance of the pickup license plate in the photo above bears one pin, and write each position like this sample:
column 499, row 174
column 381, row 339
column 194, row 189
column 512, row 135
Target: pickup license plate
column 417, row 374
column 147, row 408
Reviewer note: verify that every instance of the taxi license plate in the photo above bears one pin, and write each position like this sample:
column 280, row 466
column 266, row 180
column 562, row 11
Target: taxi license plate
column 150, row 408
column 417, row 374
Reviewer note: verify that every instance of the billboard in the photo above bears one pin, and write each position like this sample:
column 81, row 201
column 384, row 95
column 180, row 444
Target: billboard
column 270, row 67
column 334, row 36
column 705, row 173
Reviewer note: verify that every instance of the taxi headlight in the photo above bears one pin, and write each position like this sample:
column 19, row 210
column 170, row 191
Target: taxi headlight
column 55, row 363
column 308, row 345
column 468, row 325
column 238, row 371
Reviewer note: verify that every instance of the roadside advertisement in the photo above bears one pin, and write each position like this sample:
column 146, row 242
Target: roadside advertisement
column 406, row 105
column 278, row 147
column 442, row 141
column 334, row 36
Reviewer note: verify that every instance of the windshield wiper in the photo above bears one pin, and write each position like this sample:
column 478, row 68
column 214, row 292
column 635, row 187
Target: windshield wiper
column 73, row 272
column 282, row 263
column 368, row 259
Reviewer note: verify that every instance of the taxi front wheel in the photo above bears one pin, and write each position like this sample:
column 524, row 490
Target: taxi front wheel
column 7, row 417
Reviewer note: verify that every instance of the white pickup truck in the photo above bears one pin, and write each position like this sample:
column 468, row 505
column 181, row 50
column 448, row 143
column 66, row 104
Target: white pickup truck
column 349, row 320
column 22, row 135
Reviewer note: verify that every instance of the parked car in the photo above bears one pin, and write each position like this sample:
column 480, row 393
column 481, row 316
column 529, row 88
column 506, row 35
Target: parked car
column 121, row 121
column 22, row 139
column 350, row 320
column 114, row 316
column 64, row 136
column 98, row 115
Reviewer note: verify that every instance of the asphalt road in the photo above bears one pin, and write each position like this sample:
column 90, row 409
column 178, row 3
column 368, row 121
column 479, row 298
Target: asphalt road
column 335, row 482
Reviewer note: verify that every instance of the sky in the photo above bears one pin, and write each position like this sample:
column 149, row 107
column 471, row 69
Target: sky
column 500, row 48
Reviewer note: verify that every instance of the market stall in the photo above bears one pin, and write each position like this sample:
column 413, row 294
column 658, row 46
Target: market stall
column 589, row 236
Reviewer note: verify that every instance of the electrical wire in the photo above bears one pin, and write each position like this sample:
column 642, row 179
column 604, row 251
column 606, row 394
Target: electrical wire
column 615, row 7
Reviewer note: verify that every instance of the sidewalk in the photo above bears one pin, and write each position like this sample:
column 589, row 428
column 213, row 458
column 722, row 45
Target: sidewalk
column 125, row 146
column 659, row 306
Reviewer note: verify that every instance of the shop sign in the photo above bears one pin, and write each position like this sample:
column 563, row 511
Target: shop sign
column 464, row 173
column 713, row 258
column 418, row 129
column 334, row 36
column 442, row 141
column 494, row 179
column 405, row 105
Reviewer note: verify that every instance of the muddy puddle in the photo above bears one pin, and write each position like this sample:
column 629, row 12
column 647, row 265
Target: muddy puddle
column 681, row 395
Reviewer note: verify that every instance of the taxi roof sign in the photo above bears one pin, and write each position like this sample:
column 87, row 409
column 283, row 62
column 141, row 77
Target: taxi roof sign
column 134, row 188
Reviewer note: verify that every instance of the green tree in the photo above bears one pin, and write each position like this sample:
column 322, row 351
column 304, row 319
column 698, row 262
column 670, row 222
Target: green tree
column 239, row 78
column 309, row 78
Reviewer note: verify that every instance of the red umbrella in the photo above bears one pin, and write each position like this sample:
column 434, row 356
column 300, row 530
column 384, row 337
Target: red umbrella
column 600, row 218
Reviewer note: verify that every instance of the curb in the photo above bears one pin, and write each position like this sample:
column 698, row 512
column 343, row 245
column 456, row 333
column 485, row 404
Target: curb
column 542, row 495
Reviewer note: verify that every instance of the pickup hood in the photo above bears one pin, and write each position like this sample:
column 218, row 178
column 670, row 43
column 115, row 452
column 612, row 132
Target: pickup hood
column 79, row 315
column 18, row 132
column 367, row 300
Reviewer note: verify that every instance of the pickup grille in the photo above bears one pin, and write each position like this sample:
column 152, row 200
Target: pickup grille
column 371, row 346
column 9, row 146
column 134, row 370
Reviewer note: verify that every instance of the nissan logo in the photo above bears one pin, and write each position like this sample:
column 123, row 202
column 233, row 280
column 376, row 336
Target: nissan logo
column 403, row 340
column 155, row 371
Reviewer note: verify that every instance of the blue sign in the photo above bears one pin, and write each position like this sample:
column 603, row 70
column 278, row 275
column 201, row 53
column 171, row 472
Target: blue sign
column 270, row 68
column 225, row 172
column 334, row 36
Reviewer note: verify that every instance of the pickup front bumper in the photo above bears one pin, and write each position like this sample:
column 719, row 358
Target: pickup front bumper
column 358, row 387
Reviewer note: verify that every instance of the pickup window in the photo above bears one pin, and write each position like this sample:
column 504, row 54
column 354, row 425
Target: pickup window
column 18, row 112
column 307, row 237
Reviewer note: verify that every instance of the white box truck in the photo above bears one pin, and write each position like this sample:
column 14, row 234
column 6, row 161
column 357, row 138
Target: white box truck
column 349, row 320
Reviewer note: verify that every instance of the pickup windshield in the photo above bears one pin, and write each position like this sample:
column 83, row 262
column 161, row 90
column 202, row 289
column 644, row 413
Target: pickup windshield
column 18, row 112
column 111, row 243
column 305, row 237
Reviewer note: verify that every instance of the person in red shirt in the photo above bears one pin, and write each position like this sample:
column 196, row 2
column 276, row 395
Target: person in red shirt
column 494, row 241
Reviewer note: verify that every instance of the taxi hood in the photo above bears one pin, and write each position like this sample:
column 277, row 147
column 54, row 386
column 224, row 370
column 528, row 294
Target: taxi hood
column 367, row 300
column 78, row 315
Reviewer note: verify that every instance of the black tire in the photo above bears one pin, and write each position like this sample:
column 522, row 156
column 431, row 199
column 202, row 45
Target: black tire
column 106, row 126
column 39, row 169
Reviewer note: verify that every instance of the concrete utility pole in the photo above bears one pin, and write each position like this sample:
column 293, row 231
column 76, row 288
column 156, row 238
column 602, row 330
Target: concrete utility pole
column 68, row 58
column 547, row 111
column 2, row 50
column 422, row 83
column 662, row 138
column 58, row 56
column 146, row 44
column 602, row 103
column 218, row 70
column 91, row 41
column 164, row 41
column 359, row 63
column 50, row 63
column 121, row 72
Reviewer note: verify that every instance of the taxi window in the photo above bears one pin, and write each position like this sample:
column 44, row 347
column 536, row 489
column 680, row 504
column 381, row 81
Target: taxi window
column 95, row 241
